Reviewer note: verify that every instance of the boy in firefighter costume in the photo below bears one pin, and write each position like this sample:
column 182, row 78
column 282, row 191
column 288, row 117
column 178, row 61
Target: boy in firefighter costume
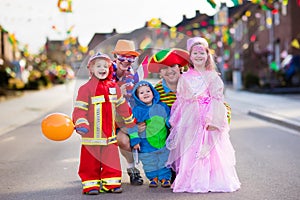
column 98, row 101
column 151, row 143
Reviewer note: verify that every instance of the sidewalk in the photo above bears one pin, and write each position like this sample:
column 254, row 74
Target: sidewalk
column 32, row 105
column 16, row 112
column 279, row 109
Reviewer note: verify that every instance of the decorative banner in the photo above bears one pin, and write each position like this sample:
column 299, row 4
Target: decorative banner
column 146, row 43
column 12, row 39
column 253, row 38
column 255, row 1
column 237, row 2
column 212, row 3
column 64, row 5
column 173, row 32
column 25, row 50
column 69, row 31
column 274, row 66
column 226, row 54
column 227, row 37
column 154, row 23
column 204, row 23
column 295, row 44
column 83, row 49
column 265, row 4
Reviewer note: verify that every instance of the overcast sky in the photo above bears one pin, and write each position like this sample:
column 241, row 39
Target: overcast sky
column 32, row 21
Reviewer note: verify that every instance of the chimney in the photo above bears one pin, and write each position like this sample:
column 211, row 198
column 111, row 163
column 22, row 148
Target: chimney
column 197, row 13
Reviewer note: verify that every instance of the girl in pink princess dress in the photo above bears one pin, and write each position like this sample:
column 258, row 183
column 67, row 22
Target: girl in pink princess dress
column 201, row 153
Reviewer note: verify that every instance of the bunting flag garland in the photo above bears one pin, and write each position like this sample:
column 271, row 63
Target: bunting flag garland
column 69, row 31
column 154, row 23
column 237, row 2
column 25, row 50
column 267, row 4
column 64, row 5
column 12, row 39
column 274, row 66
column 295, row 44
column 227, row 37
column 83, row 49
column 146, row 43
column 212, row 3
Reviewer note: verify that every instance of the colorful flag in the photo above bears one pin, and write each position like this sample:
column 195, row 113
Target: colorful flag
column 70, row 29
column 145, row 68
column 12, row 39
column 142, row 70
column 64, row 5
column 154, row 23
column 212, row 3
column 295, row 44
column 237, row 2
column 146, row 43
column 274, row 66
column 285, row 2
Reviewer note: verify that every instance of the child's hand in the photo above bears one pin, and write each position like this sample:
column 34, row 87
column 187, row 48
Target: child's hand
column 211, row 128
column 141, row 127
column 123, row 89
column 137, row 147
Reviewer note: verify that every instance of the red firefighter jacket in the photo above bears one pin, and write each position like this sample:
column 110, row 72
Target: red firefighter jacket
column 97, row 105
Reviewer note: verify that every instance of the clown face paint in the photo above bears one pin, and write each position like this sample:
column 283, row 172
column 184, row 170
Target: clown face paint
column 199, row 56
column 100, row 69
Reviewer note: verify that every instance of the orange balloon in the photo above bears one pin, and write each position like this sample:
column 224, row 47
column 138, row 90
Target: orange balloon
column 57, row 126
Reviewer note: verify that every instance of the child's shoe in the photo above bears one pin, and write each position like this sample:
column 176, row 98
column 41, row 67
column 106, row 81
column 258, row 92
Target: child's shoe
column 117, row 190
column 135, row 176
column 153, row 182
column 93, row 192
column 114, row 190
column 165, row 183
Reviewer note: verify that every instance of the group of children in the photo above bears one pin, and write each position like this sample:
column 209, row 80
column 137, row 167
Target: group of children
column 190, row 137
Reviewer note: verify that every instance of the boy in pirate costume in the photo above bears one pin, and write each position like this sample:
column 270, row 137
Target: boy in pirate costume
column 97, row 103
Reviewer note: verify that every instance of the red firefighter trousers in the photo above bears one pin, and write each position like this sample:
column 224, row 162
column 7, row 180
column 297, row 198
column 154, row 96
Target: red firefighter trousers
column 100, row 164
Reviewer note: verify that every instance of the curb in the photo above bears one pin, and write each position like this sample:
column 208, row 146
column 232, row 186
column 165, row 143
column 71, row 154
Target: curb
column 273, row 118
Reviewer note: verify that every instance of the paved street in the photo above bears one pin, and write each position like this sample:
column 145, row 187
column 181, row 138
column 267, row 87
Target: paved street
column 33, row 167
